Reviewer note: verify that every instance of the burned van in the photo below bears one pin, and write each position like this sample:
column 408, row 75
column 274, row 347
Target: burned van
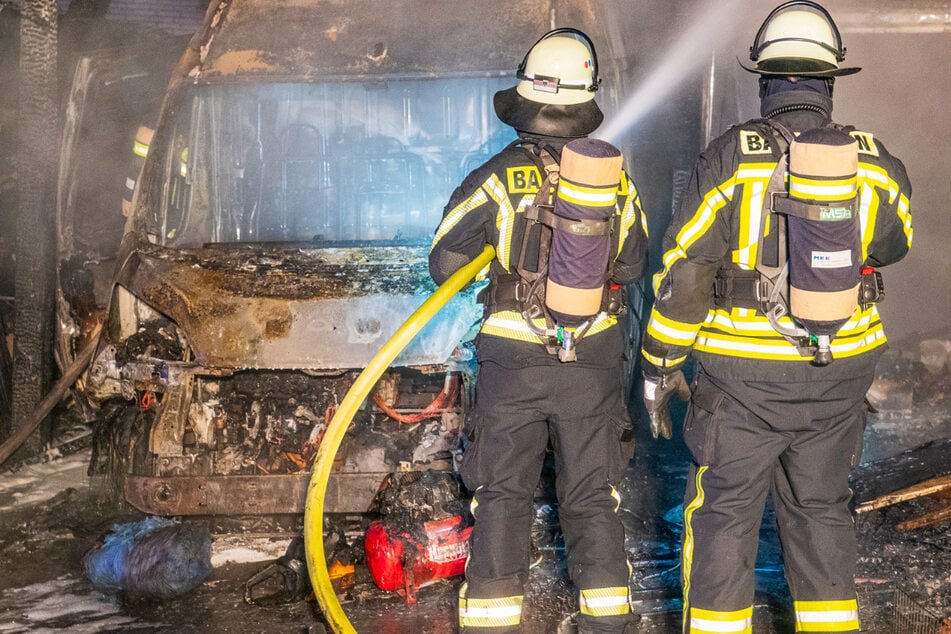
column 279, row 237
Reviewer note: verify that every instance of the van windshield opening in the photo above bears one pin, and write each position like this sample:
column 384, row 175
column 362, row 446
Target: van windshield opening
column 328, row 164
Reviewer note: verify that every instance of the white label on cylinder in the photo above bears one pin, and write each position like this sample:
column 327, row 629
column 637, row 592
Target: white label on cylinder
column 831, row 259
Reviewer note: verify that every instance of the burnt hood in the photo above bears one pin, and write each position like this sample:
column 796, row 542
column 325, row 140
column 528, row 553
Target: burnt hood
column 280, row 308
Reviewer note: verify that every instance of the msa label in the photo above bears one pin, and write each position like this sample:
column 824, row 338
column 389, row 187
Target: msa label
column 753, row 143
column 835, row 213
column 831, row 259
column 523, row 180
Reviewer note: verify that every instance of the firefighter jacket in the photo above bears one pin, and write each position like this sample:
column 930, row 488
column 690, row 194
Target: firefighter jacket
column 489, row 208
column 717, row 226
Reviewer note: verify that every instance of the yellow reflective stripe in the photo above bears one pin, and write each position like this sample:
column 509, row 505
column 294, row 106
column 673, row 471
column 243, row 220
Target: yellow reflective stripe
column 751, row 223
column 459, row 212
column 747, row 322
column 504, row 218
column 474, row 504
column 499, row 612
column 629, row 214
column 626, row 186
column 735, row 622
column 748, row 172
column 140, row 149
column 663, row 362
column 611, row 601
column 688, row 545
column 824, row 190
column 586, row 194
column 694, row 228
column 672, row 332
column 904, row 214
column 827, row 616
column 511, row 325
column 874, row 176
column 617, row 498
column 779, row 349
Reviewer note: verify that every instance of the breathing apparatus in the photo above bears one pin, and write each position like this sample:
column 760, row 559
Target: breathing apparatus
column 818, row 231
column 576, row 241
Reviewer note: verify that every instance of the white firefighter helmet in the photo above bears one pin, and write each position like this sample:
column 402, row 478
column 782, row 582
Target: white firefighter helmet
column 555, row 93
column 798, row 38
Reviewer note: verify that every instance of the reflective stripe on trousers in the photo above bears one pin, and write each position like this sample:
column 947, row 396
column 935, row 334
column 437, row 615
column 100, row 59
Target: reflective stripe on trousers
column 827, row 616
column 711, row 621
column 488, row 613
column 605, row 601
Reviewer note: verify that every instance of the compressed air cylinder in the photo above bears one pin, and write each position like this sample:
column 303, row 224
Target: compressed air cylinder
column 588, row 181
column 824, row 233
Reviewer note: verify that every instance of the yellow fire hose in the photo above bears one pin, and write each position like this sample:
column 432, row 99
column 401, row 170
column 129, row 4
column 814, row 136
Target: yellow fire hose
column 317, row 488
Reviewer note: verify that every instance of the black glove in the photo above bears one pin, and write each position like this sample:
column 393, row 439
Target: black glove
column 658, row 387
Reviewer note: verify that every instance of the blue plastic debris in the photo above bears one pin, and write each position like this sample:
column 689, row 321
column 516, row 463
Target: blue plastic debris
column 155, row 558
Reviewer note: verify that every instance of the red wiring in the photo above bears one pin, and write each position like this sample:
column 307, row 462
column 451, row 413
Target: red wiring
column 147, row 400
column 442, row 402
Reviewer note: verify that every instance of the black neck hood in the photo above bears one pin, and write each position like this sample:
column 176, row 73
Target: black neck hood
column 804, row 107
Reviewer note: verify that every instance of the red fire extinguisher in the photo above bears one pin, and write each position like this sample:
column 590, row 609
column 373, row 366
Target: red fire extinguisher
column 399, row 561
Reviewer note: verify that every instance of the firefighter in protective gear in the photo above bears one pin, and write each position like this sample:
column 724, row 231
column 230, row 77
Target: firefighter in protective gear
column 764, row 416
column 140, row 150
column 526, row 397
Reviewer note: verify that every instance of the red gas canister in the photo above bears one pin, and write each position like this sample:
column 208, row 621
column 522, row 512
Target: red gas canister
column 399, row 561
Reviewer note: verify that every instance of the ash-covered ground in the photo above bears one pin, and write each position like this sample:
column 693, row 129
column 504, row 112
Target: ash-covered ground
column 52, row 514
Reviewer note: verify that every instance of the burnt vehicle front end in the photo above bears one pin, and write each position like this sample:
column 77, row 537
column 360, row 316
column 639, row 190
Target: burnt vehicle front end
column 279, row 238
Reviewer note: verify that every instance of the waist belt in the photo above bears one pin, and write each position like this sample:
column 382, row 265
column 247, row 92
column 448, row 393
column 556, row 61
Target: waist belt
column 735, row 288
column 507, row 292
column 503, row 293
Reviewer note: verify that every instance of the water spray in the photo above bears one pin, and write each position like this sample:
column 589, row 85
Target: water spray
column 715, row 25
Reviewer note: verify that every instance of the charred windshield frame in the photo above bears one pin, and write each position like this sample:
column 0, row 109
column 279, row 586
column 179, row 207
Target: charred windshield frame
column 340, row 163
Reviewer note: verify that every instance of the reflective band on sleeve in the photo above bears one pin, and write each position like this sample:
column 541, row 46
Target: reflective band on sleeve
column 827, row 616
column 671, row 332
column 499, row 612
column 663, row 362
column 458, row 213
column 705, row 621
column 611, row 601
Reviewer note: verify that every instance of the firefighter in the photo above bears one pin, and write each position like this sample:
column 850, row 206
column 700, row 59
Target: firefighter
column 527, row 394
column 140, row 150
column 767, row 412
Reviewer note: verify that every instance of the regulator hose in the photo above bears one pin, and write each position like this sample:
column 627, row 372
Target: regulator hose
column 327, row 451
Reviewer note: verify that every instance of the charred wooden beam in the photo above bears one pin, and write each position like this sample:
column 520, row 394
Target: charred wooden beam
column 926, row 487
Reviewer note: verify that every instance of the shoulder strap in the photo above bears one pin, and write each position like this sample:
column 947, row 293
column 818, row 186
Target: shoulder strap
column 547, row 162
column 772, row 259
column 771, row 254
